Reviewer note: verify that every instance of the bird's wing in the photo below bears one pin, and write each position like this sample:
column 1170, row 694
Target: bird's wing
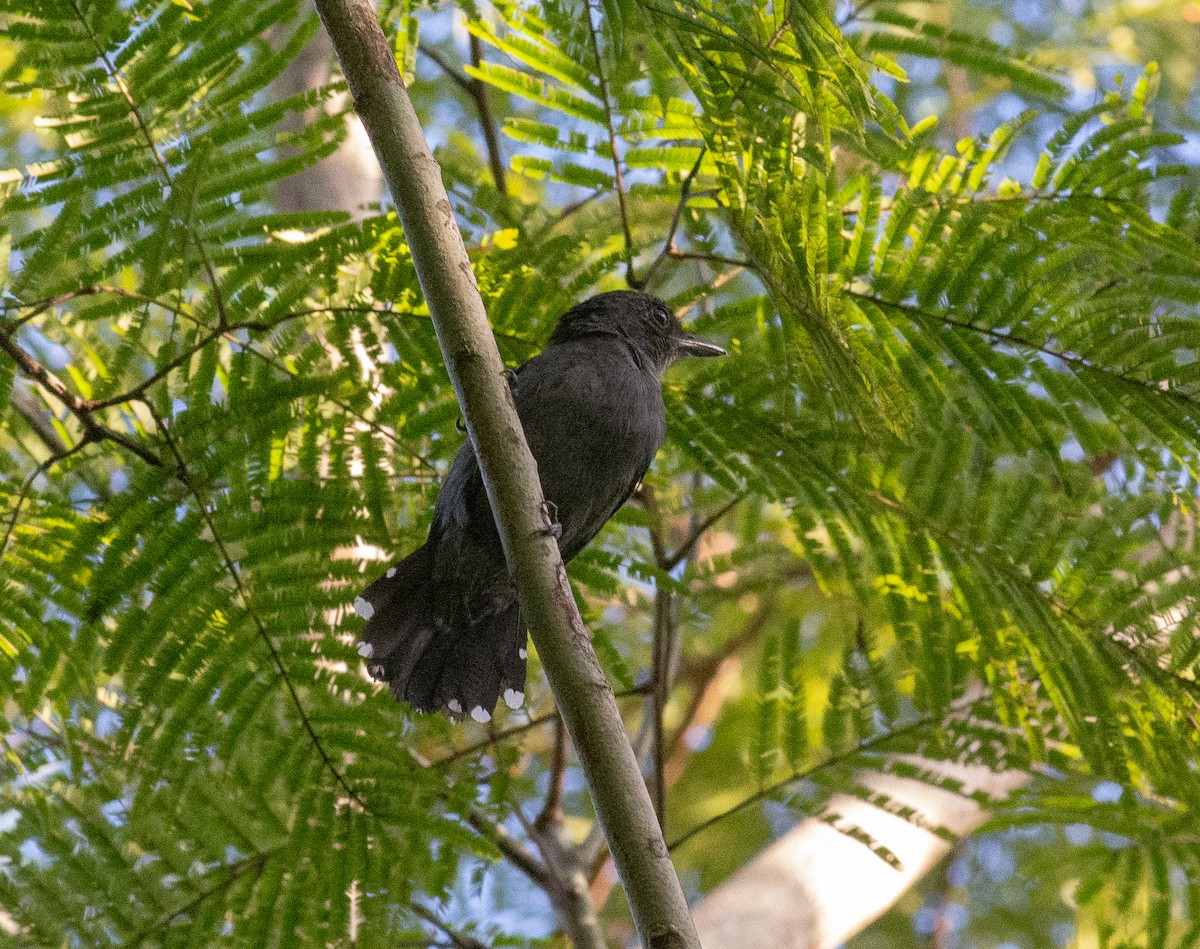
column 594, row 427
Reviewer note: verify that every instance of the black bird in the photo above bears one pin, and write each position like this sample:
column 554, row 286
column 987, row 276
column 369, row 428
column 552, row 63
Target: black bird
column 444, row 628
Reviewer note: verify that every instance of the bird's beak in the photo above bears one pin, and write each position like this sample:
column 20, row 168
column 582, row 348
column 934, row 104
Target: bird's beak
column 690, row 345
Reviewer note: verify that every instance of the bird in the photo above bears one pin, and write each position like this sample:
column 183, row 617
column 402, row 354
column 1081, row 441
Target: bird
column 443, row 626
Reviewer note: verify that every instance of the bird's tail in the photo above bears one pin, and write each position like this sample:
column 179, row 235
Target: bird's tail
column 419, row 639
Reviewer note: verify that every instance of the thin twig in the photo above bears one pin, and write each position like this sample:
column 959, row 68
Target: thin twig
column 119, row 80
column 669, row 242
column 551, row 816
column 869, row 744
column 234, row 872
column 458, row 940
column 455, row 75
column 685, row 549
column 660, row 676
column 575, row 206
column 618, row 179
column 711, row 258
column 82, row 409
column 516, row 853
column 705, row 672
column 519, row 729
column 479, row 92
column 28, row 486
column 96, row 289
column 1076, row 361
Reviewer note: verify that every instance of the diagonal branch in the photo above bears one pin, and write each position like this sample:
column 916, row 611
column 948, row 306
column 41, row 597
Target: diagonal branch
column 552, row 810
column 28, row 486
column 458, row 940
column 1077, row 362
column 478, row 91
column 509, row 474
column 82, row 409
column 685, row 191
column 233, row 873
column 685, row 549
column 871, row 744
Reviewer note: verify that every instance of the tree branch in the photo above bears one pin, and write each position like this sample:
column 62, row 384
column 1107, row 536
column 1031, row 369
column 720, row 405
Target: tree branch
column 82, row 409
column 479, row 92
column 509, row 474
column 660, row 677
column 685, row 191
column 28, row 486
column 458, row 940
column 552, row 810
column 233, row 872
column 685, row 549
column 618, row 178
column 1078, row 363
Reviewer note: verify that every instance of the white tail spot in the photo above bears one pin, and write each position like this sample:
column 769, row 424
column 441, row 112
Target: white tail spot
column 480, row 714
column 513, row 698
column 523, row 653
column 376, row 672
column 364, row 609
column 454, row 706
column 366, row 650
column 391, row 572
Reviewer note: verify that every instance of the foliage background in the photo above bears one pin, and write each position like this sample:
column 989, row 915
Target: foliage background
column 951, row 459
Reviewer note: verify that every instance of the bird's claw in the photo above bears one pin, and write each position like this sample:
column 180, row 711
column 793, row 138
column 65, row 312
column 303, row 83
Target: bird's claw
column 550, row 517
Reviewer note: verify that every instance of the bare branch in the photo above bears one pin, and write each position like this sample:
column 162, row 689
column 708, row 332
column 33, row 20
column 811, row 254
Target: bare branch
column 1076, row 361
column 452, row 73
column 660, row 677
column 232, row 873
column 478, row 91
column 550, row 819
column 28, row 486
column 685, row 549
column 509, row 475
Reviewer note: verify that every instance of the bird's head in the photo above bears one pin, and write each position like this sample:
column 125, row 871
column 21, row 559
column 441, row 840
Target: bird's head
column 644, row 322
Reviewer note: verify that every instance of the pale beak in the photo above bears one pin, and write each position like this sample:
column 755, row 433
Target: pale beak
column 690, row 345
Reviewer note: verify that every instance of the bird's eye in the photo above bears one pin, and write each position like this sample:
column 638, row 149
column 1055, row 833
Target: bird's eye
column 662, row 319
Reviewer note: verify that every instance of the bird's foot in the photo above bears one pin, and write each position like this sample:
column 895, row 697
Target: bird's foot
column 550, row 517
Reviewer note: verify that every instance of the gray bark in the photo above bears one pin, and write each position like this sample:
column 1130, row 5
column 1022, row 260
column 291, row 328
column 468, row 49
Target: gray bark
column 584, row 696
